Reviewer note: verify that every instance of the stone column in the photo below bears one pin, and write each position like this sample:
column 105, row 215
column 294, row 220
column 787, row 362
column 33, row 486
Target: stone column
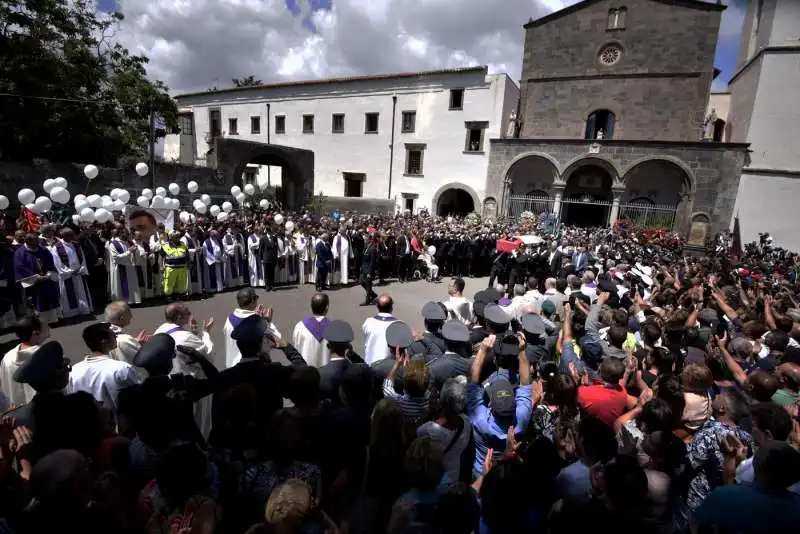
column 558, row 194
column 615, row 206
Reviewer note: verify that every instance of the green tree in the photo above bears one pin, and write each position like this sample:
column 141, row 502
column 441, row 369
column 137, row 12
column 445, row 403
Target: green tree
column 247, row 81
column 78, row 95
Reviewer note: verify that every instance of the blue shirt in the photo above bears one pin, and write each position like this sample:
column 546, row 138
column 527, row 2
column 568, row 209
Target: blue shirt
column 487, row 430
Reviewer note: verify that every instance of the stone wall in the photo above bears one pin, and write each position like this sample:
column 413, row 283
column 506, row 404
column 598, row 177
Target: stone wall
column 712, row 168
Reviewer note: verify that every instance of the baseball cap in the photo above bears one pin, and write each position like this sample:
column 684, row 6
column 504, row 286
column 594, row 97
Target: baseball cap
column 502, row 401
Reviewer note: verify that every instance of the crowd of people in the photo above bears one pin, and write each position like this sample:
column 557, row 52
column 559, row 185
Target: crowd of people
column 603, row 378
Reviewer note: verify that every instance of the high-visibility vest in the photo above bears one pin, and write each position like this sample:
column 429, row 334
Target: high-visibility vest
column 175, row 256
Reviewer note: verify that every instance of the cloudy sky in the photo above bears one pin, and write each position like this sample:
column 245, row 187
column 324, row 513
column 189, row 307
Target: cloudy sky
column 197, row 44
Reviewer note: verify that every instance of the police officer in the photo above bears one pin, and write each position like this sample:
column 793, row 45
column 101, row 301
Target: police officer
column 369, row 268
column 176, row 266
column 47, row 372
column 398, row 335
column 339, row 335
column 434, row 315
column 454, row 361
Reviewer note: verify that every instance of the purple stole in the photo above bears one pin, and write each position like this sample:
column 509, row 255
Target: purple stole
column 385, row 318
column 316, row 328
column 505, row 301
column 44, row 295
column 173, row 330
column 235, row 320
column 212, row 269
column 72, row 298
column 122, row 271
column 234, row 261
column 150, row 268
column 193, row 267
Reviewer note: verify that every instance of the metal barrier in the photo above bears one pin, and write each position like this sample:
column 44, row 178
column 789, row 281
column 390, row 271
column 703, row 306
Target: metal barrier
column 651, row 216
column 517, row 204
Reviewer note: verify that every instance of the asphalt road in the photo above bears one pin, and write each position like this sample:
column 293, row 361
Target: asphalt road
column 290, row 305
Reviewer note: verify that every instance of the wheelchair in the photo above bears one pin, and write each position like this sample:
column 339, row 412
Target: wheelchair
column 421, row 271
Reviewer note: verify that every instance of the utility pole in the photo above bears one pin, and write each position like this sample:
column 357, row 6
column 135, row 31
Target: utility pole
column 152, row 149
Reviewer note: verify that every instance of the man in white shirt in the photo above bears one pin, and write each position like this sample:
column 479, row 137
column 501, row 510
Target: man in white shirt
column 534, row 296
column 119, row 315
column 186, row 332
column 308, row 334
column 460, row 307
column 374, row 328
column 98, row 374
column 247, row 302
column 519, row 302
column 31, row 332
column 589, row 287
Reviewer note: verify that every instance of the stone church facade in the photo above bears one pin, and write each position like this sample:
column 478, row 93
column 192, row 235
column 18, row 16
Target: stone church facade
column 611, row 119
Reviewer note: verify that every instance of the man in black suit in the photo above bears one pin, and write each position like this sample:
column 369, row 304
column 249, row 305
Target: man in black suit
column 339, row 335
column 554, row 259
column 94, row 251
column 357, row 246
column 324, row 262
column 369, row 267
column 268, row 251
column 404, row 253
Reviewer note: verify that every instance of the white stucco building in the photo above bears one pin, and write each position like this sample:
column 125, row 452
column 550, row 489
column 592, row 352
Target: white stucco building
column 419, row 138
column 765, row 111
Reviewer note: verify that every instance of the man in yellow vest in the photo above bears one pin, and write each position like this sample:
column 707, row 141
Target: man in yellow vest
column 176, row 266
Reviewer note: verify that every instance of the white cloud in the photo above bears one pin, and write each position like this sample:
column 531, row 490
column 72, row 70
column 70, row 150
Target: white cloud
column 197, row 44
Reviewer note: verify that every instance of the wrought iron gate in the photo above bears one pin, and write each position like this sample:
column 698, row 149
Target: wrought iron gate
column 517, row 204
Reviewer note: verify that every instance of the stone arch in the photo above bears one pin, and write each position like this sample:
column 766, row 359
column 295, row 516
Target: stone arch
column 476, row 201
column 595, row 159
column 689, row 182
column 543, row 171
column 233, row 155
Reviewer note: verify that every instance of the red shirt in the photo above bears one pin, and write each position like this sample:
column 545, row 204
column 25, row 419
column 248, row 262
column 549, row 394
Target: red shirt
column 603, row 401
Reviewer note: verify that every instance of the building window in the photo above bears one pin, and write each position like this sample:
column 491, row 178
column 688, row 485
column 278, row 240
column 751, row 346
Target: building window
column 250, row 176
column 354, row 184
column 255, row 125
column 610, row 55
column 719, row 130
column 233, row 126
column 215, row 122
column 474, row 142
column 456, row 99
column 370, row 123
column 616, row 18
column 409, row 122
column 186, row 124
column 308, row 124
column 280, row 124
column 409, row 205
column 337, row 123
column 600, row 125
column 414, row 159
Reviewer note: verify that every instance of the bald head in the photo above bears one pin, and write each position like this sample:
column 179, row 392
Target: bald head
column 177, row 314
column 118, row 313
column 385, row 303
column 789, row 375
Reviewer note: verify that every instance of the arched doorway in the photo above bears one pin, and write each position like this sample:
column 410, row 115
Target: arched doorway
column 600, row 124
column 654, row 190
column 587, row 196
column 456, row 202
column 529, row 180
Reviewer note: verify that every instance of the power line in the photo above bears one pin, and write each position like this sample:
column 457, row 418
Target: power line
column 70, row 100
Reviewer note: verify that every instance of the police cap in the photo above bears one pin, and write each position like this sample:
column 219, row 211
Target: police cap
column 455, row 331
column 496, row 315
column 43, row 365
column 338, row 332
column 250, row 329
column 159, row 350
column 398, row 334
column 533, row 324
column 431, row 311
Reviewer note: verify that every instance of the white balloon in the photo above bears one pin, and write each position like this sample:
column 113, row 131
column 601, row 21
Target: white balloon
column 201, row 208
column 124, row 196
column 79, row 205
column 214, row 210
column 222, row 216
column 174, row 204
column 240, row 198
column 95, row 201
column 192, row 187
column 206, row 199
column 117, row 205
column 113, row 194
column 43, row 204
column 103, row 215
column 161, row 192
column 235, row 190
column 4, row 203
column 79, row 198
column 91, row 171
column 26, row 196
column 143, row 202
column 290, row 226
column 142, row 169
column 250, row 190
column 192, row 218
column 227, row 206
column 174, row 188
column 278, row 218
column 87, row 215
column 59, row 194
column 185, row 217
column 48, row 185
column 158, row 203
column 76, row 219
column 31, row 207
column 147, row 193
column 432, row 250
column 62, row 182
column 107, row 201
column 264, row 203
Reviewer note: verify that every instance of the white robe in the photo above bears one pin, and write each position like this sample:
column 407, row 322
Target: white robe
column 254, row 261
column 157, row 260
column 71, row 276
column 374, row 329
column 144, row 267
column 18, row 394
column 214, row 266
column 303, row 257
column 291, row 259
column 127, row 346
column 233, row 253
column 281, row 274
column 342, row 254
column 126, row 261
column 315, row 352
column 203, row 345
column 196, row 263
column 232, row 354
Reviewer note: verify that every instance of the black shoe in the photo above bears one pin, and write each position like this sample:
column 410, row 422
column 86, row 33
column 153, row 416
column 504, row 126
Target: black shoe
column 366, row 304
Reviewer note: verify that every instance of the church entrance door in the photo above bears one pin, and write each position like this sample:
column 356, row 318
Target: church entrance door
column 587, row 197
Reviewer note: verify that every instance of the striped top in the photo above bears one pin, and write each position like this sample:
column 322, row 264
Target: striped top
column 414, row 409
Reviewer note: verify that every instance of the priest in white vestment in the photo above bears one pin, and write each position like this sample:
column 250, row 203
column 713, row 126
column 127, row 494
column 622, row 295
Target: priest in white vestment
column 196, row 262
column 341, row 256
column 123, row 257
column 145, row 273
column 247, row 302
column 31, row 332
column 119, row 315
column 256, row 266
column 301, row 244
column 234, row 261
column 375, row 346
column 308, row 335
column 215, row 263
column 72, row 272
column 186, row 332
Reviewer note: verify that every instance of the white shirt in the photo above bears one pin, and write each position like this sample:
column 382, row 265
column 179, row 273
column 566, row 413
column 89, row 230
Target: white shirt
column 461, row 308
column 103, row 377
column 18, row 394
column 375, row 346
column 127, row 346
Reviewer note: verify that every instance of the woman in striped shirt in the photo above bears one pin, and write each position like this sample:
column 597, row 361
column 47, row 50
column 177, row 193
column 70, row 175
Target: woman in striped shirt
column 415, row 399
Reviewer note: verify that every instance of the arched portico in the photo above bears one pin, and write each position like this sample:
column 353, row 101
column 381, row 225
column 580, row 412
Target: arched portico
column 589, row 184
column 455, row 198
column 668, row 183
